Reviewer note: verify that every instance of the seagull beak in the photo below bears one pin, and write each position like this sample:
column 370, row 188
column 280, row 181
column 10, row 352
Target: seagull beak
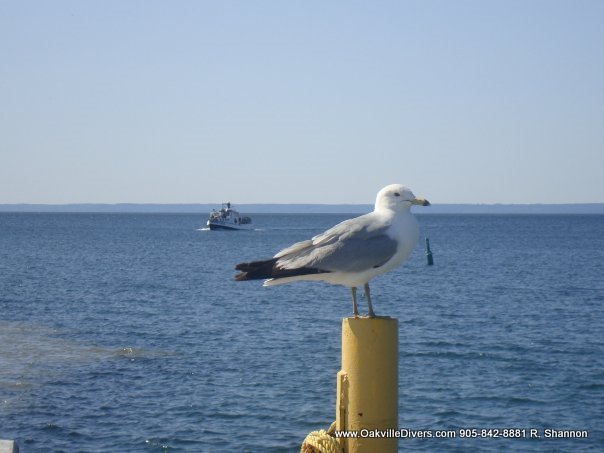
column 421, row 202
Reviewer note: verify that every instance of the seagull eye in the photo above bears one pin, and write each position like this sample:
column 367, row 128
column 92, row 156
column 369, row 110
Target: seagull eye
column 396, row 194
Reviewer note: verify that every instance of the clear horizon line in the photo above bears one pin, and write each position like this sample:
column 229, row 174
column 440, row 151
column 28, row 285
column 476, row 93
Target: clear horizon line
column 302, row 208
column 293, row 204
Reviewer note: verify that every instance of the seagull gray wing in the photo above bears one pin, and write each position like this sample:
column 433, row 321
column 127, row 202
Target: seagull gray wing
column 354, row 245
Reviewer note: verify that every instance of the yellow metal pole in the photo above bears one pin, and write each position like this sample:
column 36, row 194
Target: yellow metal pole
column 367, row 385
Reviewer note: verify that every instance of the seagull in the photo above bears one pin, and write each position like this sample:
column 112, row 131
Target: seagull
column 352, row 252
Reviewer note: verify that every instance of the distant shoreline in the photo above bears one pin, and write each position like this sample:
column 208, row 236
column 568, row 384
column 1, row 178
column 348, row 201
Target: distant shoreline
column 205, row 208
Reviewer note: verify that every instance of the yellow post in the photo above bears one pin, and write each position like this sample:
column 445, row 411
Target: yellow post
column 367, row 387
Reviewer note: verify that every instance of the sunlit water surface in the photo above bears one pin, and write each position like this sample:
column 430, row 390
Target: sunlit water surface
column 126, row 332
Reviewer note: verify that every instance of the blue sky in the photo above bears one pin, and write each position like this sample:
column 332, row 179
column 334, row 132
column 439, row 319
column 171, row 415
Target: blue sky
column 301, row 101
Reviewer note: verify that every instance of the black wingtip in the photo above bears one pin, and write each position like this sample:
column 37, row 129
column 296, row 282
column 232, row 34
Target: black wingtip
column 241, row 277
column 255, row 270
column 260, row 270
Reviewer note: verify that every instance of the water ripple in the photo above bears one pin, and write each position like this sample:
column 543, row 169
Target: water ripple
column 127, row 333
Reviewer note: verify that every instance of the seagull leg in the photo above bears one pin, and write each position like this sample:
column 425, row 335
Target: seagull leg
column 355, row 311
column 368, row 296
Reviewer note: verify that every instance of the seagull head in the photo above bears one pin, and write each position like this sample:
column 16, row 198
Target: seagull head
column 397, row 197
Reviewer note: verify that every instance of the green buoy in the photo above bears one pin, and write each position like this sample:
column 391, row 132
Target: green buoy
column 429, row 253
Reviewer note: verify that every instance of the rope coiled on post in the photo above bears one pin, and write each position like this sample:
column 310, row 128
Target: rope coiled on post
column 321, row 442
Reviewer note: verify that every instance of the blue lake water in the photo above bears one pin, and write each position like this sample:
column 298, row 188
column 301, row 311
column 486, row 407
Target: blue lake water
column 126, row 332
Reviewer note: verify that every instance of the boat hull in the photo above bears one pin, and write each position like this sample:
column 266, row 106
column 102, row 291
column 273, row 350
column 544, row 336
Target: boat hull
column 227, row 227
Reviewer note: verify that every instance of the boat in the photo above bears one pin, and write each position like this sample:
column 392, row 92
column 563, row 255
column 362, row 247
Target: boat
column 228, row 218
